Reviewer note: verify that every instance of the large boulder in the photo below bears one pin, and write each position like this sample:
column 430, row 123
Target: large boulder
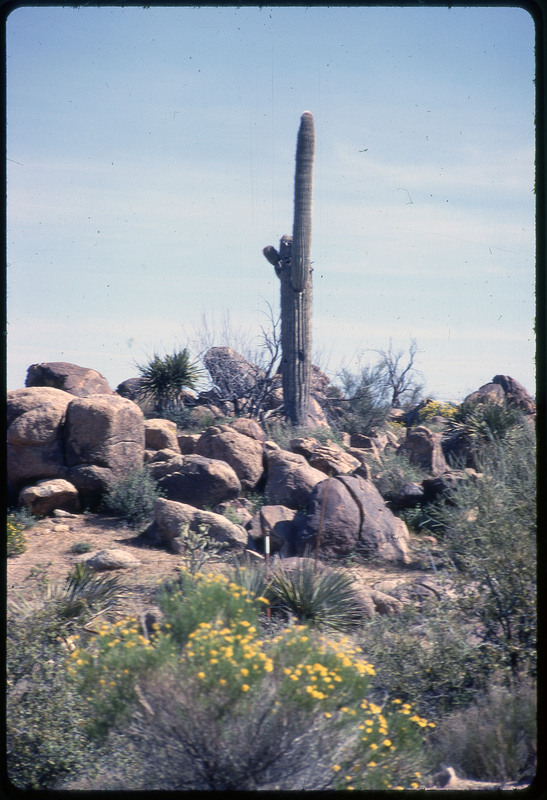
column 187, row 442
column 249, row 427
column 105, row 430
column 351, row 515
column 231, row 373
column 332, row 459
column 201, row 482
column 161, row 434
column 241, row 452
column 278, row 522
column 91, row 482
column 169, row 516
column 424, row 449
column 290, row 478
column 329, row 457
column 164, row 462
column 35, row 424
column 515, row 394
column 488, row 393
column 47, row 495
column 80, row 381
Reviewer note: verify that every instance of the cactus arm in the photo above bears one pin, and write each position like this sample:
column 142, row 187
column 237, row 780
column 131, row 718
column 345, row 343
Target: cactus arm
column 303, row 195
column 274, row 258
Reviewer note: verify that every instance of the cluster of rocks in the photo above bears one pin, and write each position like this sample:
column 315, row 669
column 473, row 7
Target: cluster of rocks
column 70, row 436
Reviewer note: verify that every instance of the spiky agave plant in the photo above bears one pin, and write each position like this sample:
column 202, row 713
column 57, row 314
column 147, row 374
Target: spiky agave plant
column 326, row 598
column 164, row 379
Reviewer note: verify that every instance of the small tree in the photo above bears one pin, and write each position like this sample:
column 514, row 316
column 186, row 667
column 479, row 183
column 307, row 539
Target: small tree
column 398, row 381
column 164, row 379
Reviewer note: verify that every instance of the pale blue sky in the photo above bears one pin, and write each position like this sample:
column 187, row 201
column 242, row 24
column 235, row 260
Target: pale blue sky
column 151, row 158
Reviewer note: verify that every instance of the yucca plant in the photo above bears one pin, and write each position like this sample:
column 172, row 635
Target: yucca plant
column 325, row 599
column 84, row 592
column 164, row 379
column 475, row 424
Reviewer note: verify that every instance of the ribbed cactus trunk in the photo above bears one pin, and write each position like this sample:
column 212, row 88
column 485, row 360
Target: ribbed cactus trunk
column 293, row 267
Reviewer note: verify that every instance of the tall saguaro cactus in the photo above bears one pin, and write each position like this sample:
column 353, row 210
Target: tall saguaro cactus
column 292, row 265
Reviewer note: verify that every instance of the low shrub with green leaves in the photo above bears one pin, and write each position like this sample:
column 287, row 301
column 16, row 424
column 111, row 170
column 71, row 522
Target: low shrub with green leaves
column 46, row 716
column 282, row 433
column 475, row 424
column 428, row 657
column 133, row 496
column 16, row 539
column 80, row 547
column 436, row 408
column 495, row 738
column 197, row 547
column 487, row 530
column 220, row 704
column 393, row 472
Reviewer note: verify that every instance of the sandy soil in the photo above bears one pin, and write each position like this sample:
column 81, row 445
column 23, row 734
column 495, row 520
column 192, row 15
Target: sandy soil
column 49, row 555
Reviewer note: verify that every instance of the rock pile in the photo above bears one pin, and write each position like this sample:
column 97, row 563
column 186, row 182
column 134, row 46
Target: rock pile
column 70, row 436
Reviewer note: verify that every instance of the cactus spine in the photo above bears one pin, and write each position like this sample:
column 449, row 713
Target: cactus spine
column 292, row 265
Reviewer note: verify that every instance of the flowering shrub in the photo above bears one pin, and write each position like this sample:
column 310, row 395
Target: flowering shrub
column 436, row 408
column 17, row 542
column 223, row 681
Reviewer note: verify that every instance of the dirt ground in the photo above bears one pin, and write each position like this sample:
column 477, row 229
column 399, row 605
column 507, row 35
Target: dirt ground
column 48, row 555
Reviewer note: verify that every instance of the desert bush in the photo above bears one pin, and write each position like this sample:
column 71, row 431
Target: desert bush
column 487, row 529
column 475, row 424
column 494, row 739
column 393, row 472
column 197, row 547
column 282, row 433
column 436, row 408
column 428, row 657
column 219, row 706
column 365, row 408
column 16, row 539
column 191, row 599
column 133, row 496
column 46, row 741
column 80, row 547
column 107, row 667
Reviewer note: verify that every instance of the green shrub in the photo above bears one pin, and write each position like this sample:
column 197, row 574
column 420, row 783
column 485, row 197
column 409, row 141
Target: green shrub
column 495, row 739
column 46, row 742
column 427, row 657
column 197, row 547
column 80, row 547
column 487, row 529
column 218, row 705
column 282, row 433
column 475, row 424
column 435, row 408
column 133, row 496
column 45, row 739
column 393, row 472
column 16, row 539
